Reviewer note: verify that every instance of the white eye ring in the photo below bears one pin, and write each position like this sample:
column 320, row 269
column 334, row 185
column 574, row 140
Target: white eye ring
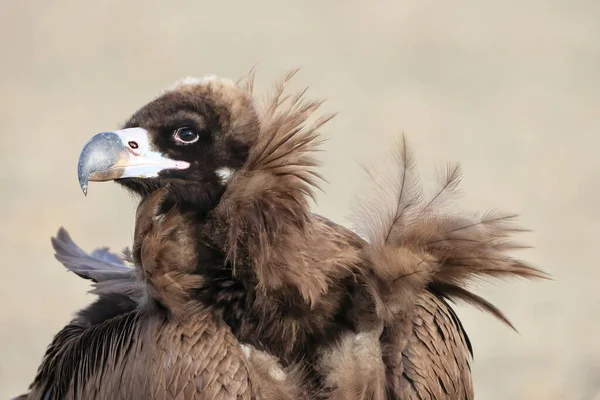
column 185, row 136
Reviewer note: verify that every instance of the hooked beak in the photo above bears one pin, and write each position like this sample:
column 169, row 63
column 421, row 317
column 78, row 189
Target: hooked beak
column 125, row 153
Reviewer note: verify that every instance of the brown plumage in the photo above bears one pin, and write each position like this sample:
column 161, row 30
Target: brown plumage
column 359, row 318
column 126, row 346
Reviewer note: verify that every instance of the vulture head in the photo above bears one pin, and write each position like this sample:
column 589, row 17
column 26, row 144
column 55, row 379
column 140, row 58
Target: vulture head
column 198, row 131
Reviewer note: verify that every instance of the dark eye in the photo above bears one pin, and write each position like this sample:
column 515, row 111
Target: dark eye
column 185, row 135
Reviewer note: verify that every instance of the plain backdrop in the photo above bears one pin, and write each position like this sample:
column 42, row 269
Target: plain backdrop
column 510, row 89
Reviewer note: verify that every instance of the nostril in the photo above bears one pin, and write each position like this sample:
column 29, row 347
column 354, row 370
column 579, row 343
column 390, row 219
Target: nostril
column 133, row 144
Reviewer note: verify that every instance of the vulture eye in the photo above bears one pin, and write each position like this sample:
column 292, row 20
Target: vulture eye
column 185, row 135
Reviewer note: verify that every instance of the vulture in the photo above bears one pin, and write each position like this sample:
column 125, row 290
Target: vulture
column 234, row 289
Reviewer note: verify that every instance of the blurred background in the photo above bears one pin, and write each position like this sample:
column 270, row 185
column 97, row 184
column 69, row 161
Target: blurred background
column 509, row 89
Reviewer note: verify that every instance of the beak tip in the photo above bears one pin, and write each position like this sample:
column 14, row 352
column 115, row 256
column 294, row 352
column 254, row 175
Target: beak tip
column 84, row 187
column 83, row 182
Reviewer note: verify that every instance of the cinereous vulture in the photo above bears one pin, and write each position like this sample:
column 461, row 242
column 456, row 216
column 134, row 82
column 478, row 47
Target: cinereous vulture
column 235, row 289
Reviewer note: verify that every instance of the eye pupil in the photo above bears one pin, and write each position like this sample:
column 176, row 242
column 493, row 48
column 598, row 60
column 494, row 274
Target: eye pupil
column 186, row 135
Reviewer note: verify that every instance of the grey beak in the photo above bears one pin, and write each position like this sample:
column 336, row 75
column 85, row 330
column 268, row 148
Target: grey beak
column 98, row 157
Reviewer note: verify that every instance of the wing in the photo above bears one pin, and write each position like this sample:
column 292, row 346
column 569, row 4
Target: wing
column 112, row 350
column 107, row 315
column 134, row 356
column 434, row 363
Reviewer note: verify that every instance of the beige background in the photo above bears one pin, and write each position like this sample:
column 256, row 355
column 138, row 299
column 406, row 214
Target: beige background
column 509, row 89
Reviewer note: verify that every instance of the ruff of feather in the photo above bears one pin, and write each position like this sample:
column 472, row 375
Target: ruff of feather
column 265, row 208
column 167, row 255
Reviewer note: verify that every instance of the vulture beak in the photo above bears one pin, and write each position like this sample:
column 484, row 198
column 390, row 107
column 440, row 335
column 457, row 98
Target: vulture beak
column 126, row 153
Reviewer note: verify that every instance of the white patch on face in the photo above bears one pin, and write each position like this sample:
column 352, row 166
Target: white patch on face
column 225, row 174
column 247, row 349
